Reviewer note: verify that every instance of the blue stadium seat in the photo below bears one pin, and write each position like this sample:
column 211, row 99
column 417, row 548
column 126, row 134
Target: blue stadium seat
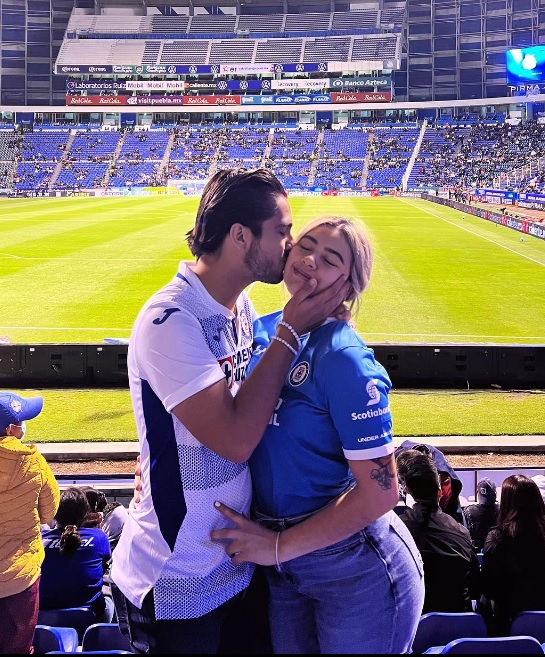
column 502, row 645
column 105, row 636
column 93, row 652
column 439, row 628
column 48, row 638
column 77, row 617
column 529, row 623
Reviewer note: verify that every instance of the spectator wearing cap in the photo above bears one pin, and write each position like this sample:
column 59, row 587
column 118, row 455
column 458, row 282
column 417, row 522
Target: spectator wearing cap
column 482, row 516
column 451, row 485
column 29, row 496
column 451, row 569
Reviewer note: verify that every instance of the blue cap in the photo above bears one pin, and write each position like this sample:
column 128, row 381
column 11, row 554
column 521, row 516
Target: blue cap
column 486, row 491
column 14, row 409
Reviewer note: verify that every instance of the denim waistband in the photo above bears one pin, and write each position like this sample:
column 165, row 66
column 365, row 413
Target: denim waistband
column 279, row 524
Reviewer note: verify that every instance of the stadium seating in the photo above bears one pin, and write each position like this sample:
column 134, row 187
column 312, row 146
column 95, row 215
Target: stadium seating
column 104, row 636
column 78, row 618
column 511, row 645
column 48, row 638
column 439, row 628
column 367, row 18
column 530, row 623
column 94, row 652
column 391, row 150
column 375, row 155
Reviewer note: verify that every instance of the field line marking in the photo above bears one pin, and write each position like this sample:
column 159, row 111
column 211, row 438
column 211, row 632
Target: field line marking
column 452, row 223
column 362, row 333
column 456, row 335
column 60, row 328
column 9, row 255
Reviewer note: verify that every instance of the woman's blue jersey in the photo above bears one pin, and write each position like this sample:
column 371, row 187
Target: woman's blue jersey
column 333, row 409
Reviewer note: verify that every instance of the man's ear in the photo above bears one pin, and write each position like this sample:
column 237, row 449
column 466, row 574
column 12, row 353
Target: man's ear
column 240, row 236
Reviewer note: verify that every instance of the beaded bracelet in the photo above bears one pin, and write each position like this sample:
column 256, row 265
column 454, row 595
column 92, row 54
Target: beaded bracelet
column 292, row 331
column 284, row 342
column 276, row 550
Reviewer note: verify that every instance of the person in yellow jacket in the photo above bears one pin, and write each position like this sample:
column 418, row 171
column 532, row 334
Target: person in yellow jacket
column 29, row 496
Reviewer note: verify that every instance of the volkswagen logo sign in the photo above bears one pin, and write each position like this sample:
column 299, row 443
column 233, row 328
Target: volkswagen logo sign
column 278, row 68
column 266, row 84
column 214, row 69
column 300, row 67
column 192, row 69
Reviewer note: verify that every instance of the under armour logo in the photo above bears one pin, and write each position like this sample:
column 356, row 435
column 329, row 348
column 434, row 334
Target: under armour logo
column 166, row 314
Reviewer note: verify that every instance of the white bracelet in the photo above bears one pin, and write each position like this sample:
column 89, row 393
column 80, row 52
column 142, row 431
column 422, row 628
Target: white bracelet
column 292, row 331
column 288, row 345
column 276, row 549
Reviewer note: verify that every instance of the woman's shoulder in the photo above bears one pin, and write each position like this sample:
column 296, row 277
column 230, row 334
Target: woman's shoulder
column 340, row 342
column 268, row 319
column 341, row 336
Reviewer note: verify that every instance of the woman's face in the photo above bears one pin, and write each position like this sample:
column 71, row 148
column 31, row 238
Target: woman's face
column 322, row 253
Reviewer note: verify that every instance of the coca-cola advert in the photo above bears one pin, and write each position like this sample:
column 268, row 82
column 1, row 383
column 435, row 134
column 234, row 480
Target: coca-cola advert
column 361, row 97
column 211, row 100
column 97, row 100
column 153, row 100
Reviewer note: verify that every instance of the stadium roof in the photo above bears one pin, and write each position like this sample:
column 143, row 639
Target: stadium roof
column 214, row 3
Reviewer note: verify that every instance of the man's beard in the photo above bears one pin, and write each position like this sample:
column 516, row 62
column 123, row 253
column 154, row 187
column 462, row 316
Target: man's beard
column 263, row 268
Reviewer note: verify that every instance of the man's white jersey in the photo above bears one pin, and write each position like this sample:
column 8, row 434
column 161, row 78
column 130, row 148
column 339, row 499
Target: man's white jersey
column 182, row 342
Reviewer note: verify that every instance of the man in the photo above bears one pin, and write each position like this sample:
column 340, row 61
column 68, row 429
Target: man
column 451, row 485
column 480, row 517
column 29, row 496
column 187, row 357
column 451, row 569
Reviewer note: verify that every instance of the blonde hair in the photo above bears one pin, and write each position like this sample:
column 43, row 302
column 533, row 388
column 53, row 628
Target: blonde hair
column 358, row 241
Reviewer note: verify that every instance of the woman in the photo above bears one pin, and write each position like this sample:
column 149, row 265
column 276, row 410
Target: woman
column 76, row 558
column 97, row 503
column 513, row 569
column 344, row 573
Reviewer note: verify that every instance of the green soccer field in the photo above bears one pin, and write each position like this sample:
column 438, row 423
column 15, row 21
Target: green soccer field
column 79, row 269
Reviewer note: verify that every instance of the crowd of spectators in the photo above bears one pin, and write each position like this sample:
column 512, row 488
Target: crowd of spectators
column 484, row 557
column 477, row 156
column 365, row 156
column 390, row 151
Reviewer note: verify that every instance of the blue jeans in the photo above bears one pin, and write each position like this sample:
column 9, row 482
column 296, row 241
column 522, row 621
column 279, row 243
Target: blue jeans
column 362, row 595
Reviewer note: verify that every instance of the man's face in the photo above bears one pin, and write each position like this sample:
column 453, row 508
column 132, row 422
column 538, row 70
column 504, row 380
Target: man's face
column 267, row 255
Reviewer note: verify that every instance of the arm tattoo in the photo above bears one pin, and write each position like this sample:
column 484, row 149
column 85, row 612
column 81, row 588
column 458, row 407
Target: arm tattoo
column 384, row 472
